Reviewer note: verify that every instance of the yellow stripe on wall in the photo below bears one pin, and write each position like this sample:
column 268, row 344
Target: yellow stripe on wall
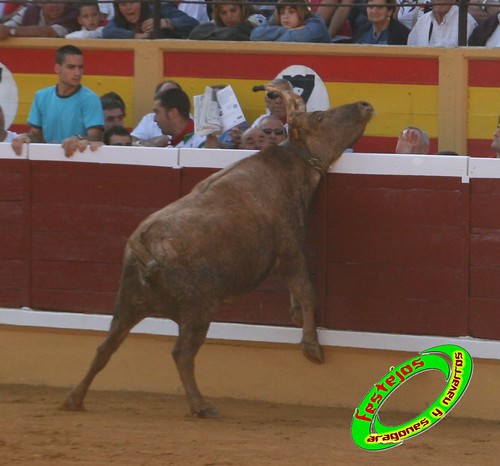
column 398, row 105
column 484, row 110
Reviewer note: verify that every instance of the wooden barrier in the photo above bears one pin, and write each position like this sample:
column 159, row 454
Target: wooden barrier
column 413, row 251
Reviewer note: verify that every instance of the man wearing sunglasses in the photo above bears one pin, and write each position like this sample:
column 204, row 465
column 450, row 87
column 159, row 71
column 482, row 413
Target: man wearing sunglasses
column 274, row 103
column 273, row 128
column 274, row 106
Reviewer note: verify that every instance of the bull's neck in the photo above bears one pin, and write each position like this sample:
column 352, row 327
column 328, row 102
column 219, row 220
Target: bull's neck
column 306, row 155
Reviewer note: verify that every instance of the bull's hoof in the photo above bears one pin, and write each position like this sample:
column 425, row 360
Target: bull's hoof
column 313, row 352
column 70, row 404
column 208, row 412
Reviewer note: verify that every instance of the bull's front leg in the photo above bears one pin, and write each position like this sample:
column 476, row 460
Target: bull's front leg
column 296, row 312
column 303, row 306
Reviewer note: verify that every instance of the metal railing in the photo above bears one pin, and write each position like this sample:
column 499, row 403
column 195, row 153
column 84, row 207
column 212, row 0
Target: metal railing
column 156, row 4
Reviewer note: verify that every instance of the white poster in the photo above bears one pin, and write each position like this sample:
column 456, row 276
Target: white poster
column 8, row 95
column 307, row 83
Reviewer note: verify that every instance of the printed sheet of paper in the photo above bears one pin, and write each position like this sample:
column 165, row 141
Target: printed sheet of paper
column 217, row 111
column 206, row 113
column 230, row 109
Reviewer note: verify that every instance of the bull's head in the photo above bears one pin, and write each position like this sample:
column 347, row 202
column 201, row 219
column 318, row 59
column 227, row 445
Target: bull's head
column 321, row 137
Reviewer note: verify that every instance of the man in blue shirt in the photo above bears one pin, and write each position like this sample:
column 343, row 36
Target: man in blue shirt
column 66, row 113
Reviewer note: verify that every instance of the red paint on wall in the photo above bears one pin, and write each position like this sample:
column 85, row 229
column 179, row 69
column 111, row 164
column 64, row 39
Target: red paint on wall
column 14, row 236
column 396, row 254
column 330, row 68
column 484, row 289
column 42, row 61
column 480, row 148
column 402, row 254
column 484, row 73
column 80, row 225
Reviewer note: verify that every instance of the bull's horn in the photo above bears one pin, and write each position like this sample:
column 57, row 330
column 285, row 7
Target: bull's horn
column 294, row 103
column 258, row 88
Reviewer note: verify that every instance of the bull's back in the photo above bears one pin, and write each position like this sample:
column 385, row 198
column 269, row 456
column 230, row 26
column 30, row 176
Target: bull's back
column 227, row 234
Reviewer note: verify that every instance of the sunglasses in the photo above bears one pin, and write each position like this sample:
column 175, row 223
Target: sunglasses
column 278, row 132
column 272, row 95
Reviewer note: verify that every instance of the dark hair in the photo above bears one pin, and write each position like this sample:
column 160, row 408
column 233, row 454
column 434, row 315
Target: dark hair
column 120, row 20
column 167, row 81
column 112, row 100
column 115, row 130
column 175, row 98
column 446, row 152
column 84, row 4
column 301, row 6
column 247, row 10
column 66, row 50
column 389, row 4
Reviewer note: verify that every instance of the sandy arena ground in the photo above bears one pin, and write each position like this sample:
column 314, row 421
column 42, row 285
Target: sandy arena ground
column 133, row 428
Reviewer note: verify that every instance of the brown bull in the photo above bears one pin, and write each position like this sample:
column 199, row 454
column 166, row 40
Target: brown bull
column 221, row 240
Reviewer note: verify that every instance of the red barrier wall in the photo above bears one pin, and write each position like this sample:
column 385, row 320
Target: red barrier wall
column 14, row 232
column 484, row 250
column 388, row 253
column 82, row 215
column 397, row 254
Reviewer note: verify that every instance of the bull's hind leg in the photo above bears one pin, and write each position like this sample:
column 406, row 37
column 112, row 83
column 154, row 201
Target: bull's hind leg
column 303, row 298
column 192, row 334
column 119, row 329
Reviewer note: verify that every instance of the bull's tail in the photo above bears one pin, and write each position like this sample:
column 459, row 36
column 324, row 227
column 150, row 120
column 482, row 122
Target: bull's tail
column 148, row 266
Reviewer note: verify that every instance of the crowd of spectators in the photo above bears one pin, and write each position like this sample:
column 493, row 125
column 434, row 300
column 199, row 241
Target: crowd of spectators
column 378, row 22
column 73, row 115
column 52, row 117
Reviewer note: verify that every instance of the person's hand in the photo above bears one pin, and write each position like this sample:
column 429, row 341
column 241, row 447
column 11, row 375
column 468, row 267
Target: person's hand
column 94, row 145
column 143, row 35
column 18, row 141
column 235, row 134
column 76, row 143
column 147, row 26
column 212, row 142
column 407, row 142
column 157, row 141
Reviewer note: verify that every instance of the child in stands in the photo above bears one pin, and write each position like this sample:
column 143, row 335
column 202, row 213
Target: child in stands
column 293, row 21
column 89, row 18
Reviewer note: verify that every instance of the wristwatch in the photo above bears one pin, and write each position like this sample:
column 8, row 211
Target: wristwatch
column 484, row 6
